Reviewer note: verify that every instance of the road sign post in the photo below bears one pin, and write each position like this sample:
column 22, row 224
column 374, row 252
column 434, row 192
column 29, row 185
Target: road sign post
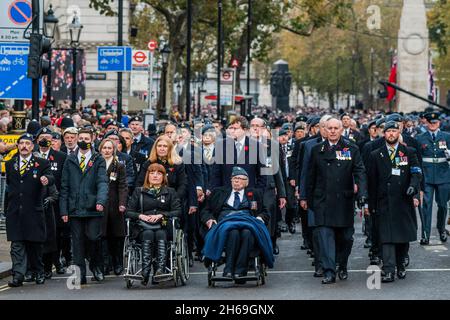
column 152, row 45
column 15, row 16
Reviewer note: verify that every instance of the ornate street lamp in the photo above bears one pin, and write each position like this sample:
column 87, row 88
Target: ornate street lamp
column 75, row 32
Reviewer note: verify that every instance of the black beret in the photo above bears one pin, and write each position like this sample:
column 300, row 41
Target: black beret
column 301, row 118
column 372, row 123
column 111, row 122
column 44, row 130
column 184, row 125
column 314, row 121
column 391, row 125
column 135, row 118
column 282, row 132
column 111, row 133
column 25, row 136
column 56, row 135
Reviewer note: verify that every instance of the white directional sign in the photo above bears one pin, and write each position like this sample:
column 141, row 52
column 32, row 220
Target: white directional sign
column 15, row 16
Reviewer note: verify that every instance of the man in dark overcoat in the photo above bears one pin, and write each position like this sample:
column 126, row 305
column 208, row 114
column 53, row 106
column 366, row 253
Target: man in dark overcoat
column 394, row 175
column 25, row 220
column 336, row 166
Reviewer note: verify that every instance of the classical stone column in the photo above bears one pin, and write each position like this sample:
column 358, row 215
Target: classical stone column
column 413, row 51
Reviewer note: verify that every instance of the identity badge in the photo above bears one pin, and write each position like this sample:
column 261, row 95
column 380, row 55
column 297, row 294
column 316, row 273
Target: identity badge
column 395, row 172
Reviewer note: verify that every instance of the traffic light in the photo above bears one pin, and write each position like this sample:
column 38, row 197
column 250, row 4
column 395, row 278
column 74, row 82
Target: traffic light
column 37, row 65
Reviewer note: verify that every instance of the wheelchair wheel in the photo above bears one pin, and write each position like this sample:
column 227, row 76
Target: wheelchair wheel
column 182, row 258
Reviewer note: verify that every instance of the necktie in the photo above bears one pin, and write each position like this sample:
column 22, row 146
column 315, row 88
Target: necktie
column 135, row 141
column 391, row 153
column 82, row 164
column 71, row 152
column 433, row 135
column 208, row 153
column 237, row 200
column 23, row 167
column 238, row 147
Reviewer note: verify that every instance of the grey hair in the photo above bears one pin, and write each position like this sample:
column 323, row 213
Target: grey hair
column 333, row 118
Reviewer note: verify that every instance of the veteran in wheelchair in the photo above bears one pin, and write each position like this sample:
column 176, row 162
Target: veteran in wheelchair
column 154, row 237
column 236, row 221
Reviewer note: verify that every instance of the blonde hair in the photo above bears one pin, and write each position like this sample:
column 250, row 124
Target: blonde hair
column 172, row 155
column 104, row 141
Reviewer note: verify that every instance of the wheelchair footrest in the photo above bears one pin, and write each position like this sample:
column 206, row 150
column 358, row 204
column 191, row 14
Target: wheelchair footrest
column 163, row 277
column 220, row 279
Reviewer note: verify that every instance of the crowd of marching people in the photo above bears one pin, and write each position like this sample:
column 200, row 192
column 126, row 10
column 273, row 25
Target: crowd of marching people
column 77, row 177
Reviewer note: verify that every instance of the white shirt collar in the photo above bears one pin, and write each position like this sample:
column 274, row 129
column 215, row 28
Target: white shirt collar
column 138, row 137
column 27, row 159
column 241, row 141
column 395, row 147
column 88, row 156
column 108, row 162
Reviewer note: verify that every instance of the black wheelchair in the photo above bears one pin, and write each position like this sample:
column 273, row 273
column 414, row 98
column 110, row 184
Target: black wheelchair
column 257, row 269
column 177, row 264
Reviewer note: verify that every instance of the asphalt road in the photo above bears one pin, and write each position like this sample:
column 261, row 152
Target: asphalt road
column 428, row 277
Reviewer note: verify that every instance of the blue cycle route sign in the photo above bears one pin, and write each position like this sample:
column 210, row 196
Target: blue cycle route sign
column 14, row 83
column 114, row 59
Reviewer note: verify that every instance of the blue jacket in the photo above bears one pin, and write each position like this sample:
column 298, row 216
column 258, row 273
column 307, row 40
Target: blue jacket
column 216, row 237
column 434, row 173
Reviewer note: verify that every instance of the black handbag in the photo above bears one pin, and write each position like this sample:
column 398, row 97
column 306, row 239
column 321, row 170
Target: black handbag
column 147, row 225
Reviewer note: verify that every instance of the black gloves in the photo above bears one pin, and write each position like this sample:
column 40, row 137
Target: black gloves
column 361, row 202
column 411, row 191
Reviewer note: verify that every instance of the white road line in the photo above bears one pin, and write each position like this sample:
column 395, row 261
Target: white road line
column 1, row 290
column 15, row 82
column 296, row 271
column 21, row 77
column 8, row 88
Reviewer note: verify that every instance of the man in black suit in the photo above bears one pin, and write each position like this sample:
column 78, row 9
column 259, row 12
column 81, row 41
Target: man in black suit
column 26, row 175
column 70, row 136
column 238, row 150
column 336, row 165
column 225, row 201
column 352, row 135
column 141, row 147
column 56, row 159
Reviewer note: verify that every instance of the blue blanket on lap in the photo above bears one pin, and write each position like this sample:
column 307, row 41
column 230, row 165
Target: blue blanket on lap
column 216, row 237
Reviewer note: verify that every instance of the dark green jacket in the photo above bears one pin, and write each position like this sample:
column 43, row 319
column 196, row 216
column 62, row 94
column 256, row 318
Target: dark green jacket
column 82, row 191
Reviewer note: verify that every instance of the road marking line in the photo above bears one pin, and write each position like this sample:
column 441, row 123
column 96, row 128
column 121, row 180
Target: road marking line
column 1, row 290
column 295, row 271
column 8, row 88
column 3, row 286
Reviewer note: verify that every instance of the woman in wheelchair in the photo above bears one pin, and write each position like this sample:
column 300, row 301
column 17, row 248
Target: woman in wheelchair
column 236, row 217
column 149, row 208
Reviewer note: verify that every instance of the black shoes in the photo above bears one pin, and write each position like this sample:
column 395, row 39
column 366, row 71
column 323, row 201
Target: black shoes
column 227, row 275
column 367, row 244
column 60, row 270
column 342, row 273
column 237, row 278
column 48, row 274
column 98, row 275
column 29, row 277
column 118, row 270
column 40, row 279
column 304, row 247
column 388, row 277
column 424, row 241
column 276, row 250
column 292, row 227
column 318, row 273
column 401, row 272
column 14, row 283
column 443, row 236
column 328, row 280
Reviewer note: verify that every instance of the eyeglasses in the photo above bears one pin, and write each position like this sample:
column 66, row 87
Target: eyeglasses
column 239, row 178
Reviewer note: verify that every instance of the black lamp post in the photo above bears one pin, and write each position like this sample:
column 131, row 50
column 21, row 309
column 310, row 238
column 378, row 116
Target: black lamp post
column 50, row 22
column 75, row 32
column 179, row 95
column 338, row 61
column 201, row 83
column 165, row 52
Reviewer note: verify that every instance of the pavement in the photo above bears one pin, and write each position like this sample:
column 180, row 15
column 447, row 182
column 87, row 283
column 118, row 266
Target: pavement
column 5, row 258
column 428, row 277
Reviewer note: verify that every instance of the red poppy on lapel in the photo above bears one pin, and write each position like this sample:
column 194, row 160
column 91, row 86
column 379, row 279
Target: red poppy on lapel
column 171, row 169
column 250, row 195
column 401, row 154
column 424, row 146
column 36, row 164
column 51, row 158
column 90, row 163
column 246, row 148
column 345, row 149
